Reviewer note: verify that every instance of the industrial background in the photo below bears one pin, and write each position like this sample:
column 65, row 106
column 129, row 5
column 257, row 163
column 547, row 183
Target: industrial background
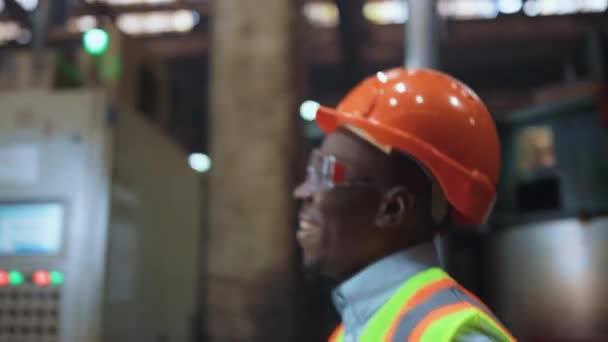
column 149, row 148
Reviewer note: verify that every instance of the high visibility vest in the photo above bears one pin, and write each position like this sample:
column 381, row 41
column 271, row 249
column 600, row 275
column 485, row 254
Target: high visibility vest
column 429, row 307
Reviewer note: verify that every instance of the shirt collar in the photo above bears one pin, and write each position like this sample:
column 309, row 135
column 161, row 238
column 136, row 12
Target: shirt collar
column 358, row 298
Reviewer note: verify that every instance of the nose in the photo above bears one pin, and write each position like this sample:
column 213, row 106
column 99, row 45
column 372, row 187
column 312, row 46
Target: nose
column 303, row 191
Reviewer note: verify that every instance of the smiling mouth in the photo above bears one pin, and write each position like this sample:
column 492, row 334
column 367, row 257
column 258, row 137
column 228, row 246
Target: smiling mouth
column 307, row 229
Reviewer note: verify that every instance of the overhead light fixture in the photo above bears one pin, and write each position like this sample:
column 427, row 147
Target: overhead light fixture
column 157, row 22
column 563, row 7
column 184, row 20
column 554, row 7
column 81, row 23
column 28, row 5
column 386, row 12
column 325, row 14
column 531, row 8
column 468, row 9
column 133, row 2
column 10, row 31
column 596, row 6
column 321, row 13
column 510, row 6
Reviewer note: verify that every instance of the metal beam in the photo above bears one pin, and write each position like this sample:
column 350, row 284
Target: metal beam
column 352, row 35
column 595, row 54
column 85, row 8
column 422, row 44
column 41, row 21
column 195, row 44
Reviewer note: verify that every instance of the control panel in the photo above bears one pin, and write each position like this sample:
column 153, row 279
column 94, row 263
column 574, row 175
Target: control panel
column 29, row 305
column 30, row 294
column 84, row 227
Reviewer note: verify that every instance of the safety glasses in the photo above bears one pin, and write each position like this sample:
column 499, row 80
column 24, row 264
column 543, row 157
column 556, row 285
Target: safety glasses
column 325, row 172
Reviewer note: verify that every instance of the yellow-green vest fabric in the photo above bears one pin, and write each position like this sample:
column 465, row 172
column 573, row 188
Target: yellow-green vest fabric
column 429, row 307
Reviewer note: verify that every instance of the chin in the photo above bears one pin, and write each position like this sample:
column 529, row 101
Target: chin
column 314, row 274
column 311, row 264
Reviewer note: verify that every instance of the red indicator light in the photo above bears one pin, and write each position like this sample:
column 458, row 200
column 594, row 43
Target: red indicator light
column 41, row 278
column 4, row 278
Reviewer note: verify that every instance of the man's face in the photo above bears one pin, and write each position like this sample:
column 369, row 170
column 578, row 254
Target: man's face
column 337, row 224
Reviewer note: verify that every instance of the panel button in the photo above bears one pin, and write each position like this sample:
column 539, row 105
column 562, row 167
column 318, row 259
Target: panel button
column 26, row 313
column 53, row 313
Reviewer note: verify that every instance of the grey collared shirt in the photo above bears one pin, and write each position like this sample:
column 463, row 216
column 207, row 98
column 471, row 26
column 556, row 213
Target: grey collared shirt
column 357, row 299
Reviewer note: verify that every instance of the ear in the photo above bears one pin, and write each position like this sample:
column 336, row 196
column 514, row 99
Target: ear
column 395, row 207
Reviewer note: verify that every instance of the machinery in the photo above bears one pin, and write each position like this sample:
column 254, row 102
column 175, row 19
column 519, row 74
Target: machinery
column 99, row 223
column 544, row 262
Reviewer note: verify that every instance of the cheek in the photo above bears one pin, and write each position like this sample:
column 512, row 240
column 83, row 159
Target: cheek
column 350, row 208
column 348, row 218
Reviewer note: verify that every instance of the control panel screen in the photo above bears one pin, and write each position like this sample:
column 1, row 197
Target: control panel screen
column 31, row 228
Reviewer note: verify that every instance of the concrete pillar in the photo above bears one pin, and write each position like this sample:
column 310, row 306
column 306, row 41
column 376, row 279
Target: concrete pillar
column 250, row 243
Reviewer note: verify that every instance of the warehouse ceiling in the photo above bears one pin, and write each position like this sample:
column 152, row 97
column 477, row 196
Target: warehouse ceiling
column 501, row 48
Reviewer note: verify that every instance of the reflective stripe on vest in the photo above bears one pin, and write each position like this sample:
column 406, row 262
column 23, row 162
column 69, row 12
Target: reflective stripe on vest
column 379, row 324
column 443, row 324
column 418, row 316
column 337, row 335
column 391, row 309
column 418, row 307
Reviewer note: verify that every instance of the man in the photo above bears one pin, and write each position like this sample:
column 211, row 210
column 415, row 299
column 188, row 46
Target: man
column 408, row 151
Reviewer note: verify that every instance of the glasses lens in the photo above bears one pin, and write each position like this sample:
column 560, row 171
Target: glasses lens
column 324, row 172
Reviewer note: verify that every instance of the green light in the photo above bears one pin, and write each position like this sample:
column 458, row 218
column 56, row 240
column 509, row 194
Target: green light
column 95, row 41
column 15, row 278
column 56, row 278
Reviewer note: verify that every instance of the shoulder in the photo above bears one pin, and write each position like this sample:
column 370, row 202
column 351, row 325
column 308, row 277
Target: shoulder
column 472, row 335
column 458, row 315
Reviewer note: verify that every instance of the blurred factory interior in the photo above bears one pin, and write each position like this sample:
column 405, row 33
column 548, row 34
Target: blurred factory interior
column 148, row 150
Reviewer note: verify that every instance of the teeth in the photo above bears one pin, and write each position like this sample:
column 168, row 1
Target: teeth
column 307, row 230
column 302, row 234
column 306, row 225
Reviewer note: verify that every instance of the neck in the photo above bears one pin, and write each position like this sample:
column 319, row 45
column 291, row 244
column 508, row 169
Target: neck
column 389, row 248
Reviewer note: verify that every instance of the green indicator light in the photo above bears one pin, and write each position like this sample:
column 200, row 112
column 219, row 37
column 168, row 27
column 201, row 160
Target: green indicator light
column 56, row 278
column 95, row 41
column 15, row 278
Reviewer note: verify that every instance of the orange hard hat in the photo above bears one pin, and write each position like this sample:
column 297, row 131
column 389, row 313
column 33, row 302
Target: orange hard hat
column 438, row 121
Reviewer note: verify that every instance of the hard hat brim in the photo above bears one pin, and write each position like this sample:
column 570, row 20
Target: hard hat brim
column 460, row 187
